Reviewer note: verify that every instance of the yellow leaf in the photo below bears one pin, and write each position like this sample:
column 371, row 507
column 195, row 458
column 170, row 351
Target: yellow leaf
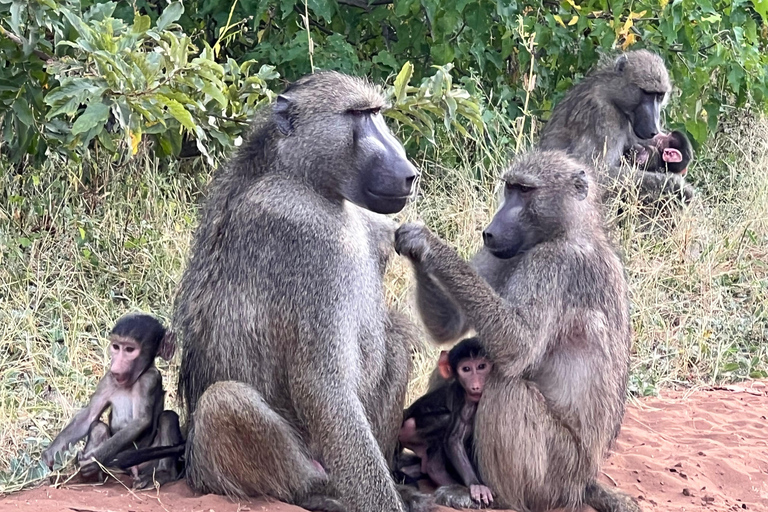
column 559, row 20
column 574, row 20
column 135, row 140
column 260, row 34
column 663, row 3
column 628, row 41
column 635, row 15
column 573, row 4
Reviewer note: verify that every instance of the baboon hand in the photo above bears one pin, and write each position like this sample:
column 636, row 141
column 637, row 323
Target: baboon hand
column 48, row 458
column 481, row 494
column 412, row 241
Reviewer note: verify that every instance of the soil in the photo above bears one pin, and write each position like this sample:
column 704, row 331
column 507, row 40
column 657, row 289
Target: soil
column 684, row 451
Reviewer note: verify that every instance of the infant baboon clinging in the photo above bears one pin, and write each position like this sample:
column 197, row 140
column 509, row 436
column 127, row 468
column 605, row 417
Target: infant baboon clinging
column 609, row 111
column 438, row 426
column 548, row 298
column 133, row 390
column 666, row 152
column 294, row 369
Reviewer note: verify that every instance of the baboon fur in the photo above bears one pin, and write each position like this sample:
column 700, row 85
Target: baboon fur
column 593, row 122
column 554, row 319
column 283, row 293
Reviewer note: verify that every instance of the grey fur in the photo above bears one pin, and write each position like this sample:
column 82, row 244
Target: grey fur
column 554, row 319
column 594, row 123
column 283, row 293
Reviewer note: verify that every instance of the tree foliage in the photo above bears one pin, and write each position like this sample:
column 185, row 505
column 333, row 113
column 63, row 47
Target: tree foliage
column 115, row 74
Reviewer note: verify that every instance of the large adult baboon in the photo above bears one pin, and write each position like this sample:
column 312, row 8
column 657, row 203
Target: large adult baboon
column 607, row 112
column 294, row 370
column 548, row 298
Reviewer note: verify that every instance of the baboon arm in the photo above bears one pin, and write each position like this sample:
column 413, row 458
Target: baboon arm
column 145, row 391
column 457, row 452
column 81, row 423
column 323, row 387
column 441, row 316
column 514, row 336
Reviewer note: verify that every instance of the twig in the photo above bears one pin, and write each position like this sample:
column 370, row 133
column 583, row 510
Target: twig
column 609, row 477
column 16, row 39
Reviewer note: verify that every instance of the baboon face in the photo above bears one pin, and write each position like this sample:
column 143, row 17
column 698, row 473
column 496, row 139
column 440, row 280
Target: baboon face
column 541, row 191
column 336, row 121
column 641, row 90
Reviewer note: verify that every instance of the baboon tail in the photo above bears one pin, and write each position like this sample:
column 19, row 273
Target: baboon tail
column 603, row 499
column 127, row 459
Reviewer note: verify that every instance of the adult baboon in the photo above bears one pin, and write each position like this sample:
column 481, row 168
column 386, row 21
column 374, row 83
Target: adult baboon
column 610, row 110
column 548, row 298
column 283, row 294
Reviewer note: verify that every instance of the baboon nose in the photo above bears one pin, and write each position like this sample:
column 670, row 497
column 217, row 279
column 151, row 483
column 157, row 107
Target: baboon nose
column 487, row 237
column 409, row 181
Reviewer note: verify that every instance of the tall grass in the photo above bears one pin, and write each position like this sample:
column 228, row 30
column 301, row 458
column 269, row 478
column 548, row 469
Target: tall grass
column 75, row 257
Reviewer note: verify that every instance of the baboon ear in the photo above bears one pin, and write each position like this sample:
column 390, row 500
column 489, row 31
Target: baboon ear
column 581, row 185
column 281, row 113
column 167, row 345
column 621, row 63
column 444, row 366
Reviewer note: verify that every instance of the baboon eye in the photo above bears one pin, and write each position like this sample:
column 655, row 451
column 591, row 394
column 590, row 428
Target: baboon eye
column 364, row 112
column 465, row 369
column 518, row 187
column 115, row 347
column 481, row 366
column 129, row 349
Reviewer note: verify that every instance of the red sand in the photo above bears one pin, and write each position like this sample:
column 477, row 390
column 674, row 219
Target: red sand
column 703, row 450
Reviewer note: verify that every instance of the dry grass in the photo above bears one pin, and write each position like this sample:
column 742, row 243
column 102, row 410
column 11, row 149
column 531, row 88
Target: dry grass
column 74, row 258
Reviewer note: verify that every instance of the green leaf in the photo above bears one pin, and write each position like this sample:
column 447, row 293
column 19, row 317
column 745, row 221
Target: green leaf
column 15, row 21
column 215, row 93
column 403, row 77
column 170, row 14
column 178, row 111
column 141, row 24
column 761, row 6
column 95, row 115
column 24, row 113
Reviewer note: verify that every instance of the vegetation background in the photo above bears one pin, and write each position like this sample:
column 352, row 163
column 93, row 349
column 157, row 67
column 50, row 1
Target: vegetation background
column 115, row 114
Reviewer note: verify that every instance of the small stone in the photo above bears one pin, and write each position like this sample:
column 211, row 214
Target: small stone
column 686, row 492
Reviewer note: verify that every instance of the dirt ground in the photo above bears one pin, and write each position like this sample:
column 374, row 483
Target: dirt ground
column 684, row 451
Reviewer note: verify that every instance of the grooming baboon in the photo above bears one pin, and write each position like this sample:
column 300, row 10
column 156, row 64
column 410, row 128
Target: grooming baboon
column 438, row 426
column 294, row 370
column 548, row 298
column 133, row 392
column 666, row 152
column 610, row 110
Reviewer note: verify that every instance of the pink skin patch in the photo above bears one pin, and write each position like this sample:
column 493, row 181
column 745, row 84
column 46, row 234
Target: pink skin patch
column 672, row 155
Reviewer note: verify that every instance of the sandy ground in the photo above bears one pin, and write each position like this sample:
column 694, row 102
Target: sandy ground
column 684, row 451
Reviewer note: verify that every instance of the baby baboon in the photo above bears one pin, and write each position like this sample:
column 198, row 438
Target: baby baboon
column 438, row 426
column 610, row 110
column 666, row 152
column 133, row 390
column 294, row 370
column 548, row 297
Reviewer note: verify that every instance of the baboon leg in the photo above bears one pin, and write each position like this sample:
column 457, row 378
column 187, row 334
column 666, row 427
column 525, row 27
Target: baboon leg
column 239, row 446
column 604, row 499
column 654, row 185
column 528, row 459
column 97, row 434
column 165, row 470
column 416, row 501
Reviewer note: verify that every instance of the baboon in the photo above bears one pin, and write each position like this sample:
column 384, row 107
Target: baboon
column 609, row 111
column 294, row 370
column 438, row 426
column 666, row 152
column 133, row 389
column 548, row 298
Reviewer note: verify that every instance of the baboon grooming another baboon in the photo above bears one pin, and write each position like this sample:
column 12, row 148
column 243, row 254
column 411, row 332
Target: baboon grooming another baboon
column 610, row 110
column 294, row 370
column 548, row 298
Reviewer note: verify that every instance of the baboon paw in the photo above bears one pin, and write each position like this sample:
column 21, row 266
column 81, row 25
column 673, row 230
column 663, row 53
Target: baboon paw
column 321, row 503
column 412, row 241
